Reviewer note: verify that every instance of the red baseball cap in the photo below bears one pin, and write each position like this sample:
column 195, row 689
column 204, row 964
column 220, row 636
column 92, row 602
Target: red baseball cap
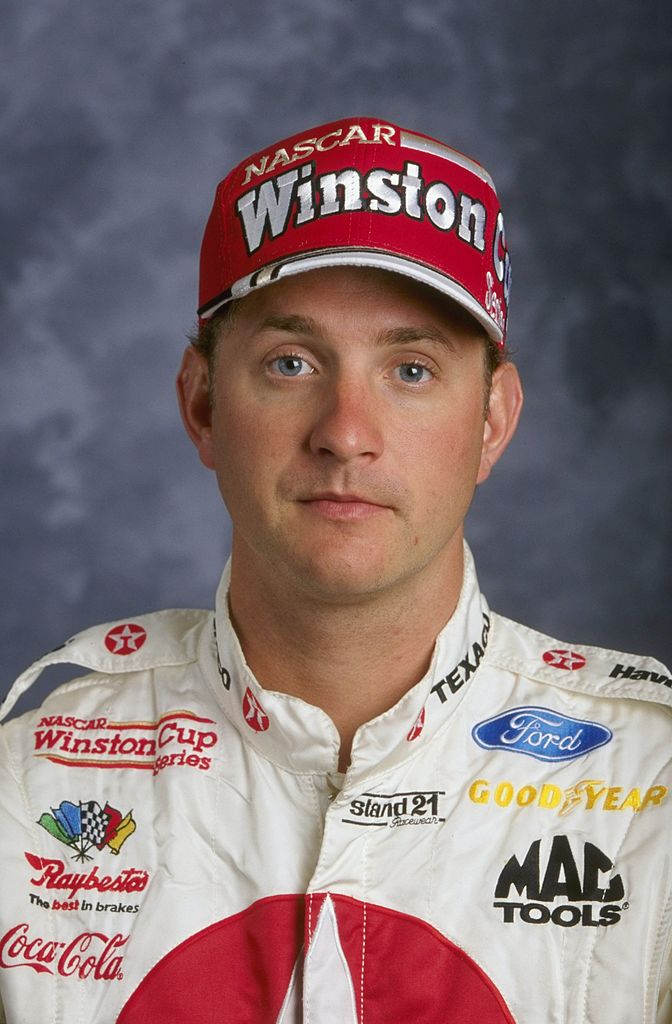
column 359, row 192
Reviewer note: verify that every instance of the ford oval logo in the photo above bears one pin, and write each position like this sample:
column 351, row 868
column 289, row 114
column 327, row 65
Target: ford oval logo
column 541, row 733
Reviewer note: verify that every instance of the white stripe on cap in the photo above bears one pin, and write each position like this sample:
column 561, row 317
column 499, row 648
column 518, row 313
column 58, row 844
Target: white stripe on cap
column 419, row 142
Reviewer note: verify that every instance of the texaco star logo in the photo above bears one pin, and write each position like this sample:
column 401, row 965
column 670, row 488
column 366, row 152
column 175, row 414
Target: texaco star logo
column 567, row 660
column 125, row 639
column 323, row 958
column 417, row 727
column 255, row 716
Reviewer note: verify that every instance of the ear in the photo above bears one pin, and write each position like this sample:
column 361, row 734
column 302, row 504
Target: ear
column 193, row 396
column 506, row 402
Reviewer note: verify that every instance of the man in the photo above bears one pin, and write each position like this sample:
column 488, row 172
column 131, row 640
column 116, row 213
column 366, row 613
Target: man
column 352, row 794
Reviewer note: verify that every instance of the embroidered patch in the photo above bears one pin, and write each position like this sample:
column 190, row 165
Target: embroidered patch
column 541, row 733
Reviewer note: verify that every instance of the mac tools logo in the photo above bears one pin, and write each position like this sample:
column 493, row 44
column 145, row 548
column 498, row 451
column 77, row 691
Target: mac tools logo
column 592, row 893
column 541, row 733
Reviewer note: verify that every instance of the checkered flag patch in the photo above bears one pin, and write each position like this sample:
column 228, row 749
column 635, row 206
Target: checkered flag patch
column 94, row 822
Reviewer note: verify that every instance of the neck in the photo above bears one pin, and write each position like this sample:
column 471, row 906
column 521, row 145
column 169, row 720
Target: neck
column 352, row 659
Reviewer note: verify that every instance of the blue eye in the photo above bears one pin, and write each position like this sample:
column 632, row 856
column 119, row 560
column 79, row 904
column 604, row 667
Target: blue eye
column 414, row 373
column 291, row 366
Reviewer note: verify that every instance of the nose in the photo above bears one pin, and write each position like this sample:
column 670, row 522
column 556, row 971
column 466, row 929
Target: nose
column 347, row 423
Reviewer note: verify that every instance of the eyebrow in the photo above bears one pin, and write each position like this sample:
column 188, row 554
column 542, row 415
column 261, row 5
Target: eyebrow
column 409, row 335
column 294, row 324
column 291, row 323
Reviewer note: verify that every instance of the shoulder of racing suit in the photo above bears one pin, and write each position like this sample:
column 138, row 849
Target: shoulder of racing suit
column 171, row 637
column 141, row 643
column 595, row 671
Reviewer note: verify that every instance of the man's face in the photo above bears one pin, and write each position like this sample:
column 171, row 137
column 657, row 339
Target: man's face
column 346, row 431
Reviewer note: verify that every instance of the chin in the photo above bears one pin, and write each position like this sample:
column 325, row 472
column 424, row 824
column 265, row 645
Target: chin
column 337, row 580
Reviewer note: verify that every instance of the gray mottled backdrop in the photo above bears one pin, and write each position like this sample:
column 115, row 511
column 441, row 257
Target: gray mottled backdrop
column 117, row 120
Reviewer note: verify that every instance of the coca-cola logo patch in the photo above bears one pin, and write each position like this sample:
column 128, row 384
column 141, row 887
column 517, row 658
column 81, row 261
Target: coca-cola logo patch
column 89, row 955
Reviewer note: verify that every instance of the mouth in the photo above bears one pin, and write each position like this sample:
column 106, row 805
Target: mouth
column 343, row 507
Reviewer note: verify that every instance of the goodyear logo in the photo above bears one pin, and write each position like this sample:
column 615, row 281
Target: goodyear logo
column 588, row 794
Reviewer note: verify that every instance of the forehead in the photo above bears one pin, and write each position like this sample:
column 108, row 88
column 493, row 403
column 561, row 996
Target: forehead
column 345, row 294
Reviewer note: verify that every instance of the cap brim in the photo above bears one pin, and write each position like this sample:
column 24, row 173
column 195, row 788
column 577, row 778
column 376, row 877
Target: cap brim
column 303, row 262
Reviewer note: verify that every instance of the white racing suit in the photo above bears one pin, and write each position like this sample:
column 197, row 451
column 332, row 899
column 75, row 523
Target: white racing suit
column 177, row 846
